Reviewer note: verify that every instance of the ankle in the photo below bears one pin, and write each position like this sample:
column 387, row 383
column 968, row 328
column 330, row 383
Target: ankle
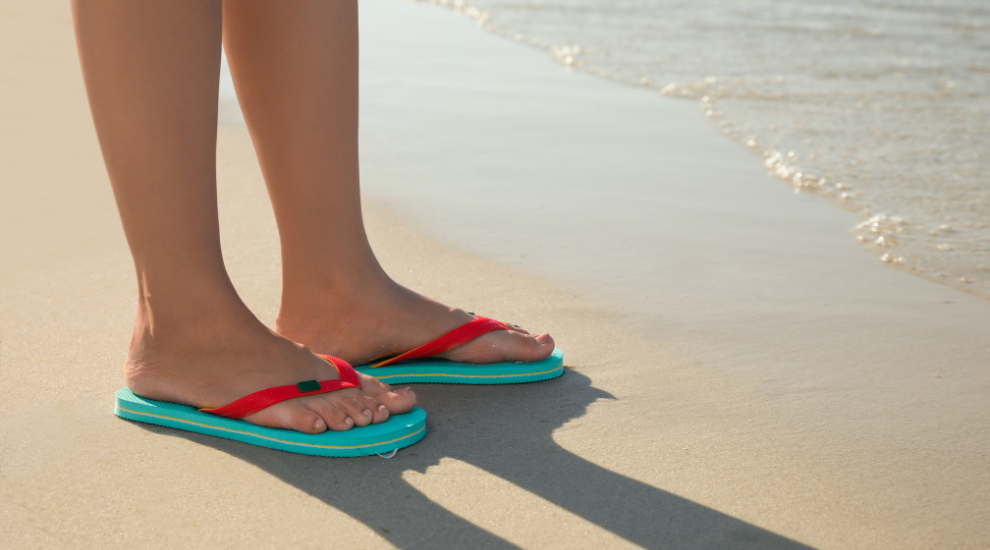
column 196, row 315
column 314, row 300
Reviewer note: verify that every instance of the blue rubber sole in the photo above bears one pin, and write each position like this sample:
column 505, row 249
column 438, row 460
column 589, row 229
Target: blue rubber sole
column 449, row 372
column 395, row 433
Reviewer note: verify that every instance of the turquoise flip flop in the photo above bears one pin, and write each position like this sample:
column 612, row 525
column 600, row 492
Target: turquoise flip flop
column 395, row 433
column 416, row 365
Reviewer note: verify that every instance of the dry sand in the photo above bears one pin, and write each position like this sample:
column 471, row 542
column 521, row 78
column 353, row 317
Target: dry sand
column 649, row 440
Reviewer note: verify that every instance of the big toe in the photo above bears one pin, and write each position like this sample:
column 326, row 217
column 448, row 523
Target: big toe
column 544, row 346
column 517, row 346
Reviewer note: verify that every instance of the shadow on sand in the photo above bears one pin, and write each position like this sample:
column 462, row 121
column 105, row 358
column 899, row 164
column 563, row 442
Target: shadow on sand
column 506, row 431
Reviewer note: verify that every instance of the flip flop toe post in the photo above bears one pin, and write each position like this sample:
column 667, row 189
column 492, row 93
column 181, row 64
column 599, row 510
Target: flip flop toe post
column 417, row 366
column 395, row 433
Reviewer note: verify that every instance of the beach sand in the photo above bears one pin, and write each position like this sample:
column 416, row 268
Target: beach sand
column 757, row 381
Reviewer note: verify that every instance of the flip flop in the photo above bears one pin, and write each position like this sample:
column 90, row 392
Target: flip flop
column 398, row 431
column 417, row 367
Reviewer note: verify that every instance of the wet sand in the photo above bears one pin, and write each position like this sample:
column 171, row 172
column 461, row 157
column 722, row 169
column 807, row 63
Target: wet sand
column 776, row 394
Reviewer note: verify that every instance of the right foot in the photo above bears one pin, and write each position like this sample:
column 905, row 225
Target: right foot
column 215, row 363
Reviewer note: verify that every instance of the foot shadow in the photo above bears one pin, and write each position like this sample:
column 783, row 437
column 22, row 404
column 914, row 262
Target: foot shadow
column 506, row 431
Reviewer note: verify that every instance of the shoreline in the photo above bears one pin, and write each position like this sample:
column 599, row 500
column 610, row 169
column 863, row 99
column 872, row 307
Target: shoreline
column 871, row 224
column 752, row 410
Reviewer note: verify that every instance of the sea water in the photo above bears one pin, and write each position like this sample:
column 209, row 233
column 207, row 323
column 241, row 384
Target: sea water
column 880, row 107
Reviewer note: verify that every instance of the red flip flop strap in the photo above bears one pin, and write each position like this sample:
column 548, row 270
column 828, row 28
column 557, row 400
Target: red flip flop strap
column 346, row 371
column 263, row 399
column 460, row 335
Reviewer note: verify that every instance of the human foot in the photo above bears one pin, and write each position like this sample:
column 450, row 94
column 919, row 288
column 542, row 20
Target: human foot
column 380, row 318
column 208, row 363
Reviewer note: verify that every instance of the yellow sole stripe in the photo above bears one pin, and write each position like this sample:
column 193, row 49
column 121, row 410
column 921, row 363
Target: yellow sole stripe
column 467, row 375
column 212, row 427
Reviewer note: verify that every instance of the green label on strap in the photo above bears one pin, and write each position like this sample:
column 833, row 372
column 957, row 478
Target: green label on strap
column 307, row 386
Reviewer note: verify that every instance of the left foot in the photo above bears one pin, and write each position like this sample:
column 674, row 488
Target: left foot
column 382, row 318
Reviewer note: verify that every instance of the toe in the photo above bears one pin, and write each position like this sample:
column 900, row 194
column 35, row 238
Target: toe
column 291, row 415
column 529, row 348
column 379, row 413
column 349, row 401
column 396, row 401
column 334, row 418
column 546, row 345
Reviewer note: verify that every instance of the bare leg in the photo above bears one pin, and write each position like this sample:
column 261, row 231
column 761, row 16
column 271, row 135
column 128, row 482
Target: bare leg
column 295, row 67
column 151, row 71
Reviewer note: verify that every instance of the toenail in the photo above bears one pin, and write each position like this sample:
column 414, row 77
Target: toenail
column 404, row 391
column 366, row 412
column 349, row 421
column 381, row 407
column 320, row 425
